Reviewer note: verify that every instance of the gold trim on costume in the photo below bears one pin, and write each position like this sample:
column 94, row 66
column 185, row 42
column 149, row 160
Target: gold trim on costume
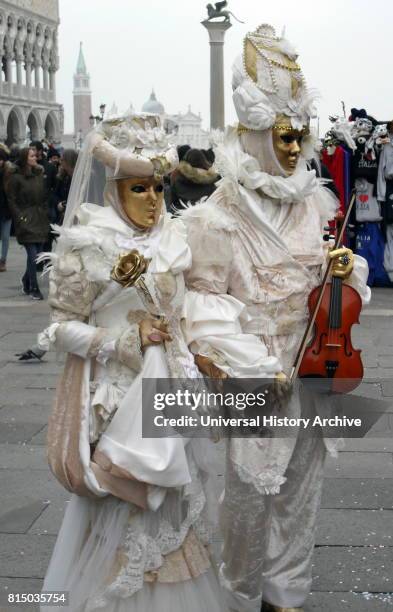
column 254, row 46
column 288, row 128
column 242, row 129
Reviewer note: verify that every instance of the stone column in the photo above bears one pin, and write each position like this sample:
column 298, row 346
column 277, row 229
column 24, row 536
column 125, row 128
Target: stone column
column 53, row 67
column 28, row 76
column 9, row 68
column 19, row 59
column 52, row 81
column 37, row 80
column 45, row 66
column 216, row 30
column 1, row 65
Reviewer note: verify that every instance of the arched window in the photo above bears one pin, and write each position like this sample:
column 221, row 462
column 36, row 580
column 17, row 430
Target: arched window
column 14, row 127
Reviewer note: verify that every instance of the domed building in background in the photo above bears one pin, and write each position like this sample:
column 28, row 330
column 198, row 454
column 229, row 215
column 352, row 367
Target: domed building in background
column 152, row 105
column 188, row 129
column 187, row 126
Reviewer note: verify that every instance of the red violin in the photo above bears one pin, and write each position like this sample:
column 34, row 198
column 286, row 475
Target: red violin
column 329, row 355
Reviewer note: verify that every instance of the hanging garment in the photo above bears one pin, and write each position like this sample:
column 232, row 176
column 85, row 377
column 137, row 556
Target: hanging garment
column 347, row 175
column 367, row 207
column 388, row 254
column 387, row 205
column 371, row 246
column 363, row 166
column 335, row 163
column 385, row 170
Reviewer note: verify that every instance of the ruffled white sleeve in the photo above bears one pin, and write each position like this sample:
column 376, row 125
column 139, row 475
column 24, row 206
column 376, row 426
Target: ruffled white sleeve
column 68, row 337
column 358, row 279
column 212, row 328
column 71, row 297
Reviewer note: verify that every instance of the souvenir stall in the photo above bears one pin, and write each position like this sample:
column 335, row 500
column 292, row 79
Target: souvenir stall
column 358, row 153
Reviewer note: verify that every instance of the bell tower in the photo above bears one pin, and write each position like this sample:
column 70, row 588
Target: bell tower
column 82, row 97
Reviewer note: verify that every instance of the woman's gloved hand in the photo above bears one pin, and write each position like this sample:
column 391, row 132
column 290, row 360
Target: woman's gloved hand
column 206, row 366
column 343, row 261
column 153, row 332
column 128, row 346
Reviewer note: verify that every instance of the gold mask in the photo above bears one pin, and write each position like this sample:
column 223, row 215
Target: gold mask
column 287, row 143
column 141, row 199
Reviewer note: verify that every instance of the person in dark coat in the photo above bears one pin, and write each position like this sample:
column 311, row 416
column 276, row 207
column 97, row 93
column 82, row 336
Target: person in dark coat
column 192, row 180
column 14, row 153
column 50, row 174
column 54, row 157
column 64, row 179
column 5, row 214
column 27, row 200
column 182, row 150
column 209, row 154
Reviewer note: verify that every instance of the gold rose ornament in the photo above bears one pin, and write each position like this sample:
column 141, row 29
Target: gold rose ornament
column 129, row 268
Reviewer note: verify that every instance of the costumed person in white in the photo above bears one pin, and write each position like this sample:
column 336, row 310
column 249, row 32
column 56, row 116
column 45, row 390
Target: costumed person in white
column 136, row 532
column 257, row 253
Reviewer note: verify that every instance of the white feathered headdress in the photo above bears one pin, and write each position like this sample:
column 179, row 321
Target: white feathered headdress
column 134, row 145
column 267, row 82
column 131, row 145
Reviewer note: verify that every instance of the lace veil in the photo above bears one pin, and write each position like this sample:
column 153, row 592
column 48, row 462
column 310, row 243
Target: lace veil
column 126, row 146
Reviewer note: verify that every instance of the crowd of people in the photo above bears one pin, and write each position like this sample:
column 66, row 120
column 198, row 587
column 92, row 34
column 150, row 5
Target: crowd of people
column 34, row 186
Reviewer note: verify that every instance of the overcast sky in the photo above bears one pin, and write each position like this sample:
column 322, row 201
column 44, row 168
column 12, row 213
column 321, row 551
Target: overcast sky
column 345, row 50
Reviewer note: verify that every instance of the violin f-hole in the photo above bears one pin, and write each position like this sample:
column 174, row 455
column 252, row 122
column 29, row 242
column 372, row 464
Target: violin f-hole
column 347, row 352
column 318, row 350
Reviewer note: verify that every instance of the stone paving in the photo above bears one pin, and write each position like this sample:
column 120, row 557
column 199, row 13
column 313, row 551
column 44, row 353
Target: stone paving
column 353, row 564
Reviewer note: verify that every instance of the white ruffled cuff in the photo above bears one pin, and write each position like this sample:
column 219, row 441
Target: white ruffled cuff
column 75, row 337
column 212, row 328
column 210, row 314
column 47, row 338
column 358, row 279
column 106, row 351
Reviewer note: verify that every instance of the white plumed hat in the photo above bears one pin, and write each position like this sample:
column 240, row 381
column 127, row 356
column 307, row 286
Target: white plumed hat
column 133, row 145
column 268, row 82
